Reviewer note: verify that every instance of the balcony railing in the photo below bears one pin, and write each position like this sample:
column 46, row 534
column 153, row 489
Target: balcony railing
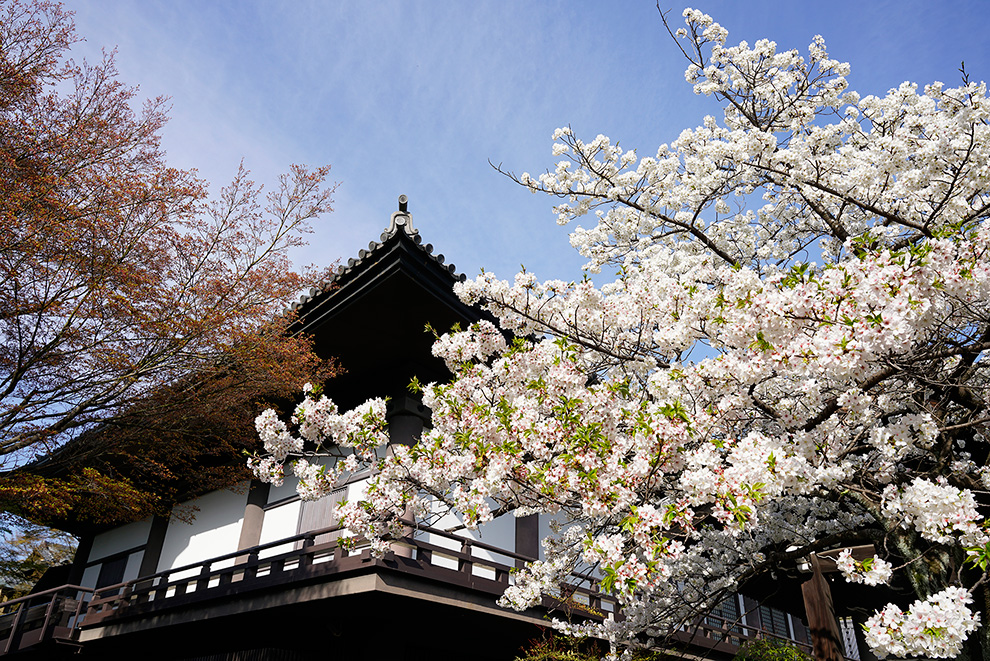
column 59, row 614
column 448, row 558
column 724, row 635
column 52, row 615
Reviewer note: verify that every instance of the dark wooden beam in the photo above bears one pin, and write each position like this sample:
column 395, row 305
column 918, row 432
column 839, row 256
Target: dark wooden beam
column 825, row 636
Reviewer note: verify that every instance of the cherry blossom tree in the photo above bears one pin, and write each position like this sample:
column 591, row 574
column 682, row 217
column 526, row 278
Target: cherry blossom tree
column 788, row 360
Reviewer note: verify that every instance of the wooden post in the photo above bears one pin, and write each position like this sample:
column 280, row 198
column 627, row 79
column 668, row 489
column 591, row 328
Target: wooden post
column 824, row 628
column 254, row 515
column 527, row 537
column 407, row 418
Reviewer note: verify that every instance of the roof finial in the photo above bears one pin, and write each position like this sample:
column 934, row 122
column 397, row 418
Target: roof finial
column 401, row 218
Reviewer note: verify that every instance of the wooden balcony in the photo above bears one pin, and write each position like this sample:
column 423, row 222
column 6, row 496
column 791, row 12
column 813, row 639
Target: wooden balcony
column 49, row 617
column 462, row 573
column 300, row 560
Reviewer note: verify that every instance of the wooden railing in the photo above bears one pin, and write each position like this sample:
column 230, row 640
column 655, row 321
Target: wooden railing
column 426, row 552
column 448, row 558
column 718, row 633
column 52, row 615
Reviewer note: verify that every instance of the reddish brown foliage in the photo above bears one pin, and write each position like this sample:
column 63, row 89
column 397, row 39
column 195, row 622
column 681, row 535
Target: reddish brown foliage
column 128, row 300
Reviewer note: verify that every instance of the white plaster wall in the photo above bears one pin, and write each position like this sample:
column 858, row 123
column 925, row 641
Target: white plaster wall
column 280, row 522
column 213, row 532
column 500, row 533
column 120, row 539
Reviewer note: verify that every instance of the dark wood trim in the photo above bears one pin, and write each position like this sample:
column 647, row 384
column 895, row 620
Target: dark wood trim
column 79, row 562
column 153, row 550
column 113, row 557
column 527, row 537
column 822, row 625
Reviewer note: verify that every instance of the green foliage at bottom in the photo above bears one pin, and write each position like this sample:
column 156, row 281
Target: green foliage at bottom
column 770, row 649
column 555, row 647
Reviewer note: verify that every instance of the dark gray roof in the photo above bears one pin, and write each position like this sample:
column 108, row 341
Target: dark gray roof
column 401, row 223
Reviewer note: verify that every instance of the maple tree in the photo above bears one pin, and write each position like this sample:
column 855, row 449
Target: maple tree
column 132, row 306
column 790, row 359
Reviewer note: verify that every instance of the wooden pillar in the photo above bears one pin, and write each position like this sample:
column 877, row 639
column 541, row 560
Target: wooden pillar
column 824, row 629
column 527, row 537
column 153, row 549
column 254, row 515
column 80, row 559
column 407, row 418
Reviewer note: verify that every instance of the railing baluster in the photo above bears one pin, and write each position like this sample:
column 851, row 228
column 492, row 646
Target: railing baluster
column 203, row 582
column 306, row 554
column 251, row 571
column 48, row 615
column 15, row 627
column 161, row 589
column 466, row 566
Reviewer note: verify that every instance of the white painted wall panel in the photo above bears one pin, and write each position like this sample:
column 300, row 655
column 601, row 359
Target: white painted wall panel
column 213, row 532
column 500, row 533
column 120, row 539
column 280, row 522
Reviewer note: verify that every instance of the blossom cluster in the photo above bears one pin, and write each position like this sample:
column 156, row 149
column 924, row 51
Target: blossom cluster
column 934, row 628
column 351, row 439
column 872, row 571
column 937, row 510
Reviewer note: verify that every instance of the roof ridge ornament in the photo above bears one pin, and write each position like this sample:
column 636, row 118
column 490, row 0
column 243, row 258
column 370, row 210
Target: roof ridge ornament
column 401, row 219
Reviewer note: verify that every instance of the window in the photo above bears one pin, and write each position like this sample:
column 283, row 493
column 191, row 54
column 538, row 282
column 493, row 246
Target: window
column 112, row 571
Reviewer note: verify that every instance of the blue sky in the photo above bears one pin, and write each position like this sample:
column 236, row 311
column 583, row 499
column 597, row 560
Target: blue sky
column 417, row 97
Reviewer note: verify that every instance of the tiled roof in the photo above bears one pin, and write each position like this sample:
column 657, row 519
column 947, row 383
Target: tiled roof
column 401, row 223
